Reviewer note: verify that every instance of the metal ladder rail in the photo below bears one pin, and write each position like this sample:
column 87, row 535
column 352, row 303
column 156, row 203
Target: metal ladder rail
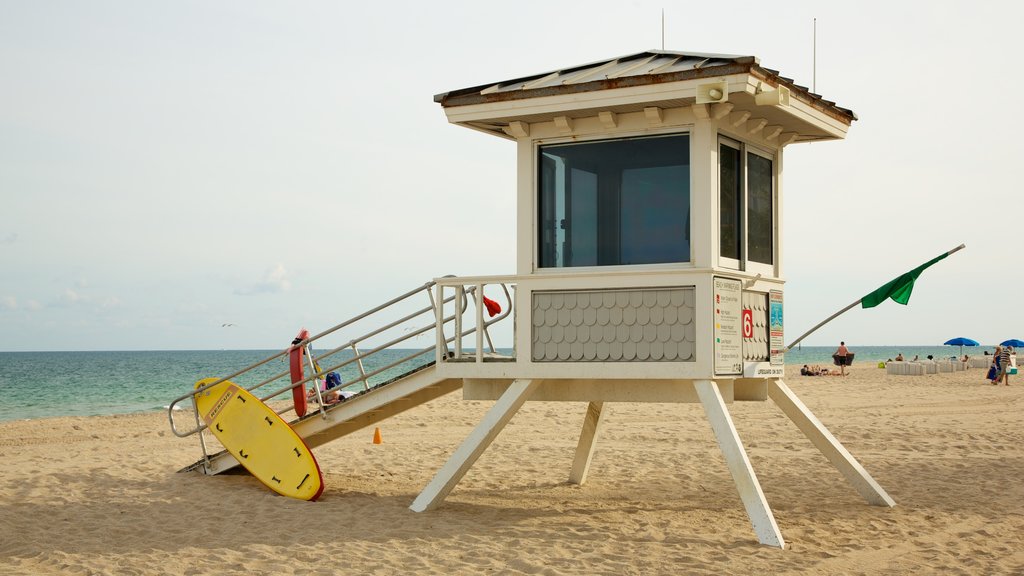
column 190, row 395
column 433, row 308
column 323, row 408
column 358, row 357
column 428, row 328
column 170, row 409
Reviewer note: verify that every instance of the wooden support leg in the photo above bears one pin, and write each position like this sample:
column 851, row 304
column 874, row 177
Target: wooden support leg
column 816, row 432
column 739, row 465
column 588, row 439
column 474, row 445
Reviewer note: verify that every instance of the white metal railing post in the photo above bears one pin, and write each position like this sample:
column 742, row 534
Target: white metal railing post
column 441, row 346
column 460, row 294
column 315, row 370
column 479, row 322
column 202, row 440
column 315, row 382
column 362, row 370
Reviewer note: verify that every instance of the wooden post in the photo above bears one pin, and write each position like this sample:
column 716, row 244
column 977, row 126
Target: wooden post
column 474, row 445
column 816, row 432
column 739, row 465
column 585, row 447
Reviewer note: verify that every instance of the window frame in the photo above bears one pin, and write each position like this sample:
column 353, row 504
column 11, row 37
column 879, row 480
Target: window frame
column 537, row 203
column 743, row 263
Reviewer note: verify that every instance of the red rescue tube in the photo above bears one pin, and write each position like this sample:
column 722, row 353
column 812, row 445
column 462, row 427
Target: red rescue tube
column 296, row 357
column 493, row 308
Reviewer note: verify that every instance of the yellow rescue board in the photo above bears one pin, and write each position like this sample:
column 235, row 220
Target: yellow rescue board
column 260, row 439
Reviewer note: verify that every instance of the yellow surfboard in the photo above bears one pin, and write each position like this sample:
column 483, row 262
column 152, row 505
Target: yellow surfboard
column 260, row 439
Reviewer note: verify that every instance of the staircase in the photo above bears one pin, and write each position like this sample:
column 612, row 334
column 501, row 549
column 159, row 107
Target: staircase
column 387, row 378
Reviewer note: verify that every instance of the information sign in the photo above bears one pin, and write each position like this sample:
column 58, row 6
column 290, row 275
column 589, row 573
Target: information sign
column 728, row 326
column 776, row 345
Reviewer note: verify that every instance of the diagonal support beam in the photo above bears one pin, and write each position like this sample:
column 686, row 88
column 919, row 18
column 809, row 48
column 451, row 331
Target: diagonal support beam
column 474, row 445
column 816, row 432
column 588, row 439
column 739, row 465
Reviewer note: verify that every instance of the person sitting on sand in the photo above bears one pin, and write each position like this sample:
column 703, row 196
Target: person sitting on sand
column 332, row 392
column 817, row 370
column 330, row 396
column 899, row 357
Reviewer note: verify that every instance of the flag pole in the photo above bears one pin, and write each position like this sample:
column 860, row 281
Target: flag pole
column 837, row 314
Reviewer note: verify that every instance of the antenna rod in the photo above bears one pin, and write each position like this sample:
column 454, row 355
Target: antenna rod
column 662, row 28
column 814, row 65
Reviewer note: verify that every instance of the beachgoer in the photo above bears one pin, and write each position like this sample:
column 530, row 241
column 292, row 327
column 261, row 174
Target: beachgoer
column 915, row 358
column 332, row 396
column 842, row 357
column 899, row 357
column 333, row 380
column 805, row 371
column 337, row 395
column 1004, row 367
column 331, row 392
column 995, row 369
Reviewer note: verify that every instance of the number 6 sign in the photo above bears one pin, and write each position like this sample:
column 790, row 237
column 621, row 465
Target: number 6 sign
column 748, row 323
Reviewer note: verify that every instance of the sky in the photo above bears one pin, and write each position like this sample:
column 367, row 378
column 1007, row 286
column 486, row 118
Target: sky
column 169, row 168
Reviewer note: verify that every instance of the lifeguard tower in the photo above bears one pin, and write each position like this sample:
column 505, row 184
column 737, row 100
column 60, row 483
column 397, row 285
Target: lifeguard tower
column 649, row 253
column 649, row 269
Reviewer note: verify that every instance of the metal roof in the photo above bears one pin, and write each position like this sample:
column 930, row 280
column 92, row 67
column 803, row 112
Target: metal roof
column 643, row 68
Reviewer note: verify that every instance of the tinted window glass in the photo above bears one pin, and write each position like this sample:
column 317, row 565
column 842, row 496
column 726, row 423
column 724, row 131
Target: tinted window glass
column 759, row 209
column 615, row 202
column 729, row 204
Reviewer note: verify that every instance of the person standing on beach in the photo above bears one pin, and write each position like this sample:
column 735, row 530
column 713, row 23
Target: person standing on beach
column 841, row 356
column 1003, row 372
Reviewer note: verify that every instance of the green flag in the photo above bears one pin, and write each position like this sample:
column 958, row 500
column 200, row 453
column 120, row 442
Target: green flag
column 900, row 288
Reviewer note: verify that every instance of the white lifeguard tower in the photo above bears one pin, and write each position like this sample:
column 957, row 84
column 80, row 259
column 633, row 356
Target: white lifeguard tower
column 649, row 254
column 649, row 269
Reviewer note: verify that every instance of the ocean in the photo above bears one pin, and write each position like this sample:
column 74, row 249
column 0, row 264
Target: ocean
column 48, row 384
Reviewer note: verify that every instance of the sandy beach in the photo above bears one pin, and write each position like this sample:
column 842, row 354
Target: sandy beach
column 102, row 495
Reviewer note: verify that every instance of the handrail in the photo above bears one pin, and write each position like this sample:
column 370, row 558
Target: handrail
column 437, row 322
column 460, row 292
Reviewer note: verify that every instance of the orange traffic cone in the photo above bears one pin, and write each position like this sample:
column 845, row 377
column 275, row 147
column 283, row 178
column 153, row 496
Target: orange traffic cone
column 376, row 436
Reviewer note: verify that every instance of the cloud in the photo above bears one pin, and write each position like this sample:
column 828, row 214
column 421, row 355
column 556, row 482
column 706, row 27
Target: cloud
column 110, row 302
column 9, row 239
column 70, row 297
column 275, row 281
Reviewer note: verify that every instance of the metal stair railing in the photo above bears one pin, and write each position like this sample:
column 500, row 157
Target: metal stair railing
column 437, row 322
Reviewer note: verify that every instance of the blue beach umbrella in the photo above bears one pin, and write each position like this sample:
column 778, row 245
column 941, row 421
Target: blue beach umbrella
column 961, row 342
column 1012, row 342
